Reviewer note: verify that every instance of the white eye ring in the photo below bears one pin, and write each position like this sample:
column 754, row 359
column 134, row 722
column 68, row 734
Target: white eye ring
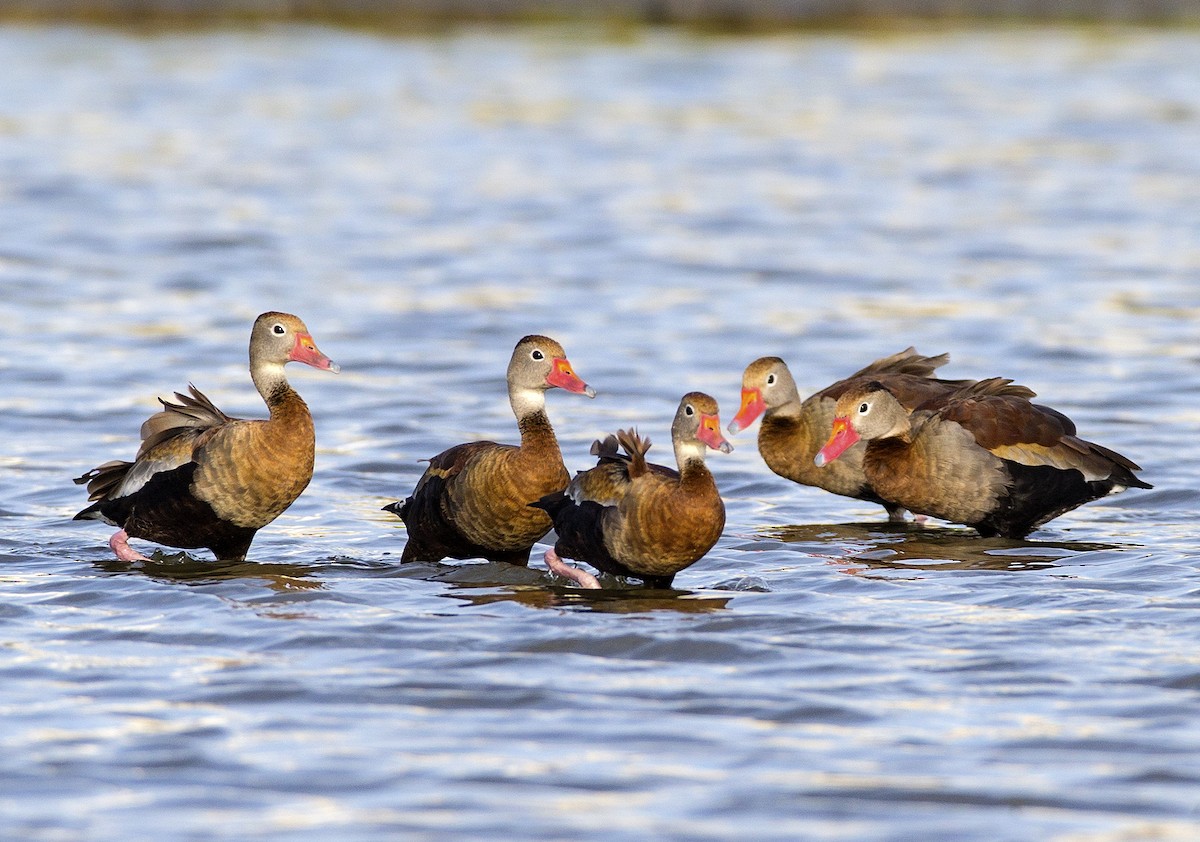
column 536, row 354
column 687, row 410
column 863, row 408
column 279, row 330
column 770, row 379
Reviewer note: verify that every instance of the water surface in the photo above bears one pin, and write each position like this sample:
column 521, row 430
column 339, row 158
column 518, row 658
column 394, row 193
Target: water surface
column 669, row 208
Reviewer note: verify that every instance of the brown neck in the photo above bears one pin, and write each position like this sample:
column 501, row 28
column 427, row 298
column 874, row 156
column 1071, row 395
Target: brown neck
column 286, row 405
column 537, row 436
column 785, row 432
column 694, row 476
column 883, row 451
column 786, row 439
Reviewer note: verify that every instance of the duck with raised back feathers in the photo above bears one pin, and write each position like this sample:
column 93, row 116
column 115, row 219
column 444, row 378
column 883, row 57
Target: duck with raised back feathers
column 793, row 430
column 204, row 479
column 629, row 517
column 473, row 499
column 984, row 456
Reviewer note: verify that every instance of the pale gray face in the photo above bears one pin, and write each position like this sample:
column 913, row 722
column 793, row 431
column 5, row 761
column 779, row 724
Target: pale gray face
column 533, row 361
column 697, row 422
column 767, row 385
column 873, row 414
column 279, row 338
column 539, row 363
column 778, row 387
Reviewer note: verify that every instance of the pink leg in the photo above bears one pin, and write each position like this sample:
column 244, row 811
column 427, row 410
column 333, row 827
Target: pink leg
column 120, row 545
column 579, row 577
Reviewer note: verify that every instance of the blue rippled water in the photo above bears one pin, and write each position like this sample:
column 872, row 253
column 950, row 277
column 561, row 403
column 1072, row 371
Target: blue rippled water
column 669, row 207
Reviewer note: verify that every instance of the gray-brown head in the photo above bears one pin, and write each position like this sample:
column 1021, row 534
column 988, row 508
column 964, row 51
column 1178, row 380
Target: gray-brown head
column 863, row 413
column 280, row 338
column 697, row 425
column 767, row 385
column 539, row 363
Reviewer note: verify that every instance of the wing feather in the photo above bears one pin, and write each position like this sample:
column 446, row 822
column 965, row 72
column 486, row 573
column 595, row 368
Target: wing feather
column 170, row 439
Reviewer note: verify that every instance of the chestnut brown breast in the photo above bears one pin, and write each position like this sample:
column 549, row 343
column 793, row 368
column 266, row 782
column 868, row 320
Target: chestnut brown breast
column 665, row 524
column 629, row 517
column 473, row 499
column 250, row 472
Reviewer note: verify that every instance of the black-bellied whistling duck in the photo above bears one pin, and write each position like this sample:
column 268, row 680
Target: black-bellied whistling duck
column 631, row 518
column 793, row 430
column 473, row 499
column 204, row 479
column 984, row 456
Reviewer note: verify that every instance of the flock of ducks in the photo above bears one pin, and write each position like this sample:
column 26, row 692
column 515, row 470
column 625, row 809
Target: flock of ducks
column 979, row 453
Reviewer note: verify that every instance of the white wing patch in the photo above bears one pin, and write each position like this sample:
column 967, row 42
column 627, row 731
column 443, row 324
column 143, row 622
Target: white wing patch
column 145, row 468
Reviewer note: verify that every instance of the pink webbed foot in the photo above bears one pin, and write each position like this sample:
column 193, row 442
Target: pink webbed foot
column 120, row 545
column 579, row 577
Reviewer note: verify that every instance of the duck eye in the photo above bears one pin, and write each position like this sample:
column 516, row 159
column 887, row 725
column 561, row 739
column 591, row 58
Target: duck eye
column 770, row 379
column 863, row 407
column 279, row 330
column 687, row 410
column 537, row 355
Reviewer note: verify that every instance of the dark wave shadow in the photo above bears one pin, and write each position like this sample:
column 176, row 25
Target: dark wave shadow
column 623, row 598
column 490, row 582
column 911, row 546
column 469, row 573
column 183, row 568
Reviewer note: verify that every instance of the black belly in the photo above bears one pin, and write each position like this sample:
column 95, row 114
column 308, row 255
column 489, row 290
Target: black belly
column 165, row 511
column 1037, row 494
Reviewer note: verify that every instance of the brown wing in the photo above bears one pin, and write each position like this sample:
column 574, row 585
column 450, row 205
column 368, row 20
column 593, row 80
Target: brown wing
column 907, row 375
column 912, row 391
column 605, row 484
column 907, row 361
column 451, row 462
column 170, row 439
column 988, row 387
column 609, row 481
column 999, row 421
column 1012, row 428
column 193, row 412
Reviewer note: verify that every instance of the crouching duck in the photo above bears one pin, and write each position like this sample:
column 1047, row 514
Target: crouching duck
column 473, row 499
column 984, row 456
column 204, row 479
column 793, row 430
column 628, row 517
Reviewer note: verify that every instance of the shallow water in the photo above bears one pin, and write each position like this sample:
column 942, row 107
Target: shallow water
column 669, row 208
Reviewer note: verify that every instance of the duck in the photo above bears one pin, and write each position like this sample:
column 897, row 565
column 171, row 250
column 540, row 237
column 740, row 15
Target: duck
column 629, row 517
column 793, row 430
column 473, row 499
column 984, row 456
column 202, row 478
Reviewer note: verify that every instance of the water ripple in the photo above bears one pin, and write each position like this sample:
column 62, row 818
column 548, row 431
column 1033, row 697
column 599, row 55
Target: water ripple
column 670, row 207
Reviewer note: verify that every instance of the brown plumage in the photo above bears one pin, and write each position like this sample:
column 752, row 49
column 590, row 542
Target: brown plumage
column 984, row 456
column 793, row 430
column 629, row 517
column 473, row 499
column 204, row 479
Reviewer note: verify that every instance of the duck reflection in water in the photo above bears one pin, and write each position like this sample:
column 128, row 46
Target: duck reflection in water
column 185, row 569
column 615, row 598
column 901, row 546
